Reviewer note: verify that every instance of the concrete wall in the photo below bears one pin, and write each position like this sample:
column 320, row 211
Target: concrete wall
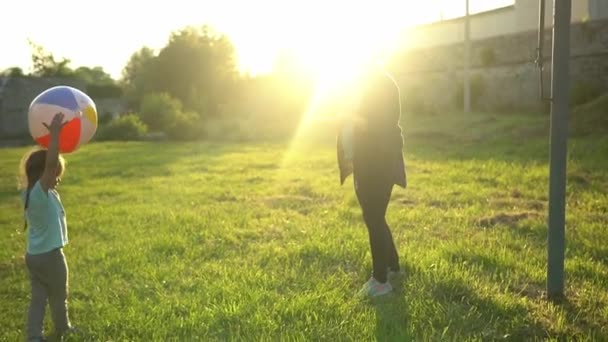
column 521, row 17
column 503, row 66
column 598, row 9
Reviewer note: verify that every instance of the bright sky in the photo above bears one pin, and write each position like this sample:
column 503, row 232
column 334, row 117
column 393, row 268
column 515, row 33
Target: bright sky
column 106, row 33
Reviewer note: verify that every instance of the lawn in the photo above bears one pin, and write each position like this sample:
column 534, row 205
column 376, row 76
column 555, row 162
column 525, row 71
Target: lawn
column 258, row 241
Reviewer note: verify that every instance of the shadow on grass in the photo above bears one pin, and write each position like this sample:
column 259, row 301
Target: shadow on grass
column 392, row 318
column 584, row 319
column 536, row 235
column 392, row 312
column 449, row 310
column 123, row 161
column 583, row 328
column 137, row 159
column 463, row 312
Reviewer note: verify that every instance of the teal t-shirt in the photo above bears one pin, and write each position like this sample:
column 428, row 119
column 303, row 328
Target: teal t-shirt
column 47, row 227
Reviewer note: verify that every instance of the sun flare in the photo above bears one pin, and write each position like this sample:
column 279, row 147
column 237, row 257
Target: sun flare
column 333, row 51
column 335, row 54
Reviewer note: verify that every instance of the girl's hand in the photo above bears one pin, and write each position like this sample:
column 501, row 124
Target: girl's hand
column 56, row 124
column 48, row 180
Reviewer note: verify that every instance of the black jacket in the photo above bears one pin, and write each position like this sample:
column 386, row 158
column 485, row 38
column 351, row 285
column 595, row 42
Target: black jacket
column 378, row 143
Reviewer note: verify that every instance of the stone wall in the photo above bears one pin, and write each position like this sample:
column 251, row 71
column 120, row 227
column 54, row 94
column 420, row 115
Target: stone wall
column 502, row 68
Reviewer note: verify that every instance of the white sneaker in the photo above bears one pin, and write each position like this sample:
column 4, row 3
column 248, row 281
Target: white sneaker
column 374, row 288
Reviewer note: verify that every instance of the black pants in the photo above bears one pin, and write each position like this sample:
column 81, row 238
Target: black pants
column 374, row 194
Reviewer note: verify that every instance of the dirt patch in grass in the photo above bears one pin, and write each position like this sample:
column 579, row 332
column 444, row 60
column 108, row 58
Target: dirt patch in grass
column 301, row 204
column 581, row 178
column 255, row 180
column 509, row 203
column 406, row 202
column 506, row 219
column 438, row 204
column 516, row 200
column 528, row 290
column 225, row 197
column 516, row 194
column 279, row 200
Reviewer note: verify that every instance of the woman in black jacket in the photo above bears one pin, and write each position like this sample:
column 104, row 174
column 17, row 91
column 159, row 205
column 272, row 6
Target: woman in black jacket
column 371, row 148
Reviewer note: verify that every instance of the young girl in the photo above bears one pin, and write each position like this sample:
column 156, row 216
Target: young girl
column 46, row 236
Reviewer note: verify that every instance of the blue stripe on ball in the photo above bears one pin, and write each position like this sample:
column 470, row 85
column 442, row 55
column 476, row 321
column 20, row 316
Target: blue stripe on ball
column 59, row 96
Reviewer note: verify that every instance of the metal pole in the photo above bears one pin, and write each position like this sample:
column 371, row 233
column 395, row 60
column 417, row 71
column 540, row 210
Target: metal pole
column 539, row 50
column 467, row 59
column 560, row 94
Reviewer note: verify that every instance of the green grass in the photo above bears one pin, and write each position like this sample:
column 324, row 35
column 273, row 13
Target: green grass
column 204, row 241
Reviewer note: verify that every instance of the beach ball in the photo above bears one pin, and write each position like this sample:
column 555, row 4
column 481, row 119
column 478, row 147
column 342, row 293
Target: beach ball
column 79, row 113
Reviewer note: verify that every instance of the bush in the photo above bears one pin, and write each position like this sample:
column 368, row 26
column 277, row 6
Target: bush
column 14, row 72
column 159, row 111
column 104, row 118
column 185, row 126
column 164, row 113
column 126, row 127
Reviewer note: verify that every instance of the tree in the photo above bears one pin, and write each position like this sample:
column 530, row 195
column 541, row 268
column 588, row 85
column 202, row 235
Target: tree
column 136, row 76
column 99, row 84
column 158, row 110
column 13, row 72
column 198, row 67
column 45, row 65
column 94, row 75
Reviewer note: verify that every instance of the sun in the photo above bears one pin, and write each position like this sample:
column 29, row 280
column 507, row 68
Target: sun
column 334, row 51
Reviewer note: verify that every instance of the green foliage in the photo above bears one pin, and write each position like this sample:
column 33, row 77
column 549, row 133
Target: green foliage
column 195, row 62
column 104, row 90
column 162, row 113
column 188, row 68
column 186, row 126
column 94, row 76
column 104, row 118
column 159, row 110
column 45, row 65
column 99, row 84
column 197, row 67
column 13, row 72
column 137, row 76
column 126, row 127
